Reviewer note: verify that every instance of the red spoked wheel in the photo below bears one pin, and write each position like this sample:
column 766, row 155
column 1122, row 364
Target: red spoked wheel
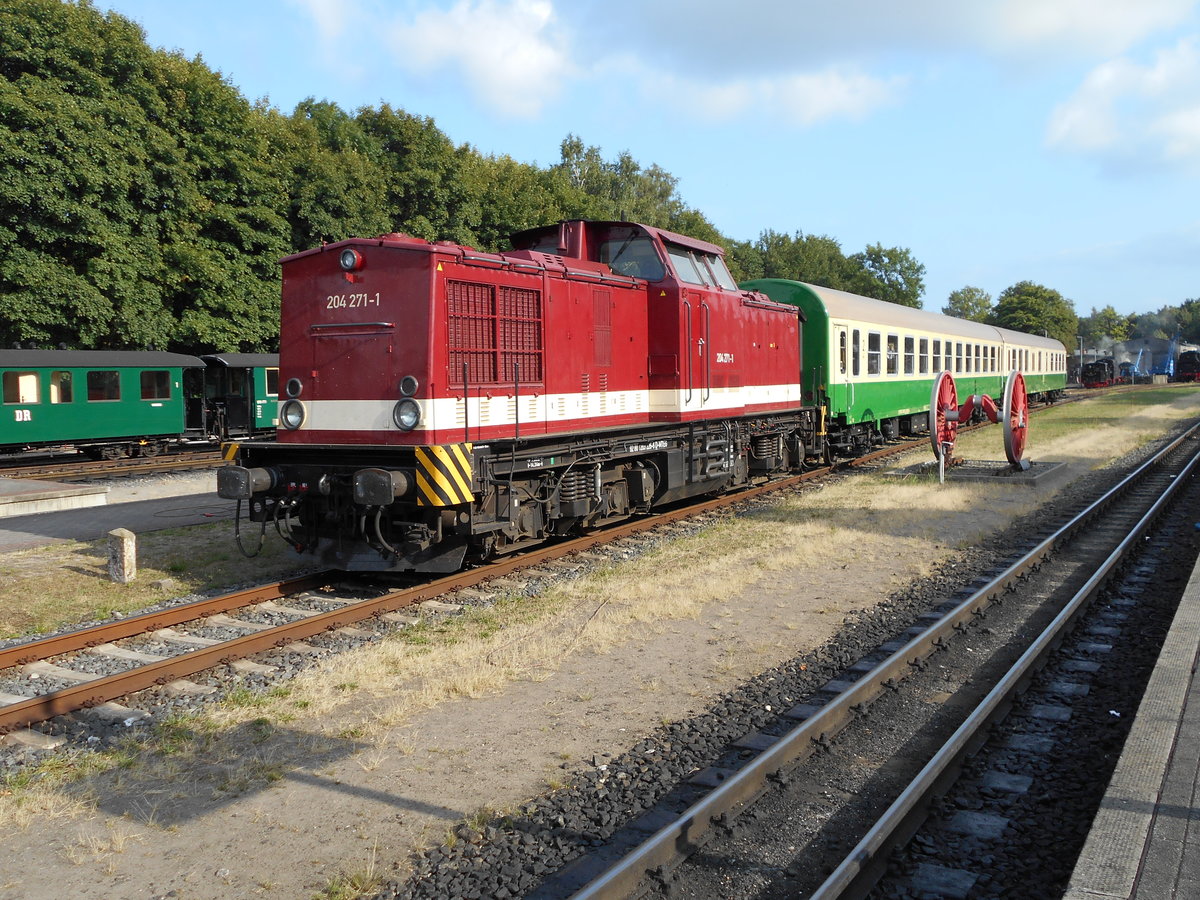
column 943, row 429
column 1015, row 416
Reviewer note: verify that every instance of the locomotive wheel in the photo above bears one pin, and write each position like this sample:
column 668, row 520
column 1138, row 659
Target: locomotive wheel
column 944, row 398
column 1015, row 416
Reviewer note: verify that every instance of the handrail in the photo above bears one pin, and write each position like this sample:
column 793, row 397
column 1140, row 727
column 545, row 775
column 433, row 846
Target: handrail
column 688, row 351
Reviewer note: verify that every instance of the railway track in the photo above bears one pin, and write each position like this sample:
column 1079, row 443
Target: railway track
column 74, row 469
column 711, row 815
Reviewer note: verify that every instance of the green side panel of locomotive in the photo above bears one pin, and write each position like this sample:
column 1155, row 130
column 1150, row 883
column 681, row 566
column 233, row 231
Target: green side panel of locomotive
column 68, row 404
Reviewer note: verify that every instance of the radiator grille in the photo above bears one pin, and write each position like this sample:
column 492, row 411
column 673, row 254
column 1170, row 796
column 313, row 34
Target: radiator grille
column 496, row 332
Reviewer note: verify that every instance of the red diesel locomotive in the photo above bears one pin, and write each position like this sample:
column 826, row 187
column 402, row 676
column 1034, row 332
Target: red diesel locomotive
column 439, row 400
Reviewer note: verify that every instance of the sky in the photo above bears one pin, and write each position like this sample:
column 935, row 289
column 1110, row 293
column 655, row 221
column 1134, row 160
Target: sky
column 1056, row 141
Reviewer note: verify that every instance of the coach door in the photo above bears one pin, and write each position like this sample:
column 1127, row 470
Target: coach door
column 843, row 366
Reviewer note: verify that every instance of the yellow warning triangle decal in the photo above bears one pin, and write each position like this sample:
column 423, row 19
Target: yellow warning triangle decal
column 662, row 293
column 439, row 267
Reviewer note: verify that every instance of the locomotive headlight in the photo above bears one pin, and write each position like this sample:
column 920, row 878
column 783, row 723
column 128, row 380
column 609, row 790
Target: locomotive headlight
column 406, row 414
column 293, row 387
column 351, row 259
column 409, row 385
column 291, row 414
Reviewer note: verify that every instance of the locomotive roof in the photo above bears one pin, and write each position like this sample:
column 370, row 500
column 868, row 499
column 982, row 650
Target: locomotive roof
column 880, row 312
column 243, row 360
column 527, row 235
column 137, row 359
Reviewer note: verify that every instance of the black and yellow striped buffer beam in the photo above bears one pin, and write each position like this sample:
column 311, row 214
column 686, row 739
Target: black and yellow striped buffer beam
column 444, row 475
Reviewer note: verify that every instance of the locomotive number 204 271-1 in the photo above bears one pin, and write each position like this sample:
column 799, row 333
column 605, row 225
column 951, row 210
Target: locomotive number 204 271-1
column 351, row 301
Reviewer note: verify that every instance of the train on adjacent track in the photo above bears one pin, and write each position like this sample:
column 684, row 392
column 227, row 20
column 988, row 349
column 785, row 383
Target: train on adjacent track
column 110, row 404
column 1188, row 368
column 441, row 403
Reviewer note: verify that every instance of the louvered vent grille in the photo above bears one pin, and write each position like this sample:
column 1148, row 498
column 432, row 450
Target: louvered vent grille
column 496, row 332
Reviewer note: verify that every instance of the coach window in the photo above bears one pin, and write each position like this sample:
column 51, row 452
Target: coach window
column 60, row 387
column 994, row 369
column 978, row 358
column 273, row 382
column 842, row 352
column 893, row 354
column 967, row 360
column 925, row 355
column 20, row 387
column 856, row 352
column 958, row 356
column 909, row 355
column 103, row 385
column 156, row 385
column 874, row 353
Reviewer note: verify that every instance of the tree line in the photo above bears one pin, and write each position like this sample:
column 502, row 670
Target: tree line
column 145, row 203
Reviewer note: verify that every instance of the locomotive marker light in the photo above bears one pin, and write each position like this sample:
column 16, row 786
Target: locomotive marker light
column 351, row 260
column 945, row 415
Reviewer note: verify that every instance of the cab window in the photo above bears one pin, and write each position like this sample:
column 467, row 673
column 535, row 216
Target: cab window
column 631, row 252
column 685, row 265
column 720, row 271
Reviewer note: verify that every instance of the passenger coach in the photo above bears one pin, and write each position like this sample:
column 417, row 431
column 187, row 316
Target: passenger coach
column 872, row 363
column 116, row 403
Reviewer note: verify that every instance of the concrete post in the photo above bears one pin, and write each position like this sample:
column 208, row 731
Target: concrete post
column 122, row 555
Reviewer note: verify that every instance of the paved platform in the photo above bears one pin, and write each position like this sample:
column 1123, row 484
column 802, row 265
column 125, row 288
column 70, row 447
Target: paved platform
column 23, row 497
column 1145, row 839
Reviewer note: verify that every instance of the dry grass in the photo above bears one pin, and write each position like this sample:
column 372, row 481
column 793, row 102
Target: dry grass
column 43, row 588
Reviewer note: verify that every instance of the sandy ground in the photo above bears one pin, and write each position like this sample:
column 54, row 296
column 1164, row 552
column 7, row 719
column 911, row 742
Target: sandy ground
column 315, row 798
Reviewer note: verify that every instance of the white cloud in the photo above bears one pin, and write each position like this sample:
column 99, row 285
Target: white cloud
column 1134, row 115
column 812, row 97
column 1095, row 27
column 510, row 53
column 329, row 16
column 802, row 99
